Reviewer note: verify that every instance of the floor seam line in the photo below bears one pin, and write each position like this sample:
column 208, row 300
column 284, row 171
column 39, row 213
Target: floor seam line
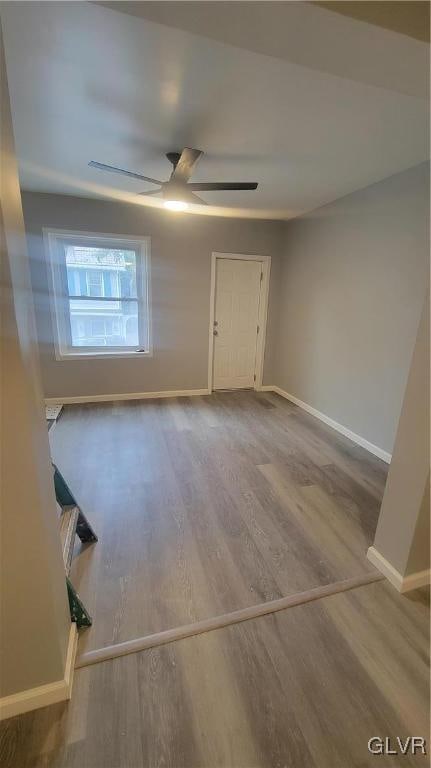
column 232, row 618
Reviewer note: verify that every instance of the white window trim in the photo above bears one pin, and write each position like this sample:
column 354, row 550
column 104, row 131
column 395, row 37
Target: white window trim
column 143, row 244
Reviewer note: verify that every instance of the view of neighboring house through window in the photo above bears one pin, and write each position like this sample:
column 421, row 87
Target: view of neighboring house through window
column 105, row 280
column 110, row 275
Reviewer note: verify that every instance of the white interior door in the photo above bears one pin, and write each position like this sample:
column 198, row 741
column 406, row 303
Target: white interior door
column 236, row 314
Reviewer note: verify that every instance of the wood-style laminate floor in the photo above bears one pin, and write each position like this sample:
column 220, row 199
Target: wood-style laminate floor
column 205, row 505
column 303, row 688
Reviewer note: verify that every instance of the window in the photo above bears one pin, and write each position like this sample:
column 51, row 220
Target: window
column 94, row 277
column 100, row 294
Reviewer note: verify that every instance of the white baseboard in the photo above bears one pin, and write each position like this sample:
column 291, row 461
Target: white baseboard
column 401, row 583
column 384, row 455
column 44, row 695
column 124, row 396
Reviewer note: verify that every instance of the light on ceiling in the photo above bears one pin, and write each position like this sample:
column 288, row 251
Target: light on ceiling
column 176, row 205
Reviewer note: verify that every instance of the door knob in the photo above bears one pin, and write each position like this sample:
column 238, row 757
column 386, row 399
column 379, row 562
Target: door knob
column 215, row 333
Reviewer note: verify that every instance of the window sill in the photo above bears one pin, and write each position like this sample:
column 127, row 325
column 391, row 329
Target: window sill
column 64, row 356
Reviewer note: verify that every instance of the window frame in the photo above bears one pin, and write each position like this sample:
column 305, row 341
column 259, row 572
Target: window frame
column 59, row 293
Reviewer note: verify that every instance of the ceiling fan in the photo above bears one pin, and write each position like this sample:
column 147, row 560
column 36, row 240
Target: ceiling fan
column 178, row 191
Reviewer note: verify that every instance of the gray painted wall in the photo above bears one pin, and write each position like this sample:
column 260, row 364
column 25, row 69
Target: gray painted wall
column 34, row 612
column 352, row 286
column 181, row 248
column 419, row 555
column 402, row 535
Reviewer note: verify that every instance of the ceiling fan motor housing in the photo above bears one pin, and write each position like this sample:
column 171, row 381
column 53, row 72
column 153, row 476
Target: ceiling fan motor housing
column 174, row 190
column 173, row 157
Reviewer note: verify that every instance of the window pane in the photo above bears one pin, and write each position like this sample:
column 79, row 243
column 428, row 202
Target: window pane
column 100, row 272
column 104, row 323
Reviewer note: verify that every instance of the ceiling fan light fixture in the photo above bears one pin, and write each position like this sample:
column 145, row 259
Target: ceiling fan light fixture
column 178, row 192
column 176, row 205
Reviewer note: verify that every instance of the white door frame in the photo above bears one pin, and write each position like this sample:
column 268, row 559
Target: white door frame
column 263, row 312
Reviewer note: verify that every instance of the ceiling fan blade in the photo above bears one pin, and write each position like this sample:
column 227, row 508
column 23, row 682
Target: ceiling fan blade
column 151, row 192
column 191, row 198
column 219, row 186
column 188, row 197
column 131, row 174
column 186, row 164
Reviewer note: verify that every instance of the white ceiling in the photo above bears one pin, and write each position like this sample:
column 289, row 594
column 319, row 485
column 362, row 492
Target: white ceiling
column 311, row 120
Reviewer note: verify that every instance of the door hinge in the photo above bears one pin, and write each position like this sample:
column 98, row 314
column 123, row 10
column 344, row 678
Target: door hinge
column 261, row 276
column 258, row 328
column 254, row 377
